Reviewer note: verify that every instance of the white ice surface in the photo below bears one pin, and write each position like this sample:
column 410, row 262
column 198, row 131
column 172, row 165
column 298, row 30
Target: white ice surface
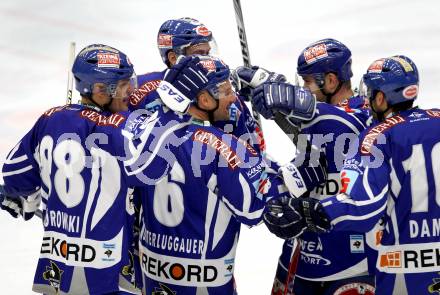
column 34, row 40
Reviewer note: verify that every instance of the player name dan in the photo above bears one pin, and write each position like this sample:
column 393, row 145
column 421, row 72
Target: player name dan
column 424, row 228
column 173, row 243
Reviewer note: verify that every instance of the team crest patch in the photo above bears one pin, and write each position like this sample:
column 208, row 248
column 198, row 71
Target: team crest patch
column 108, row 60
column 53, row 274
column 315, row 53
column 435, row 286
column 163, row 290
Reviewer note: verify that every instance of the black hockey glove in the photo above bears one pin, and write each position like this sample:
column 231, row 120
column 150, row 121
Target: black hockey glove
column 282, row 219
column 245, row 79
column 288, row 218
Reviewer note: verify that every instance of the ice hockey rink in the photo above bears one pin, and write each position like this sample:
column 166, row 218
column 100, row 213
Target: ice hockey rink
column 35, row 37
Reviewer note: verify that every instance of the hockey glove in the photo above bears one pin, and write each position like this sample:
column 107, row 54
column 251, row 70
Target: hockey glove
column 245, row 79
column 181, row 84
column 21, row 206
column 288, row 218
column 296, row 103
column 12, row 206
column 282, row 219
column 313, row 213
column 312, row 172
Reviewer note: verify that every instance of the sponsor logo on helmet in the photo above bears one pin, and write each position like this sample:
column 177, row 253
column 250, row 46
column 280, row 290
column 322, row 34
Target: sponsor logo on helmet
column 165, row 41
column 406, row 65
column 108, row 60
column 315, row 53
column 202, row 31
column 209, row 65
column 410, row 92
column 376, row 67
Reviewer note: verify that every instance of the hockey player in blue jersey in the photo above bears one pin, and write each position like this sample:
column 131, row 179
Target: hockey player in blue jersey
column 215, row 182
column 394, row 176
column 183, row 37
column 325, row 67
column 85, row 201
column 176, row 37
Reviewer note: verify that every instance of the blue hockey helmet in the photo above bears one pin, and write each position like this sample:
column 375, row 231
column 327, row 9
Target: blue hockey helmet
column 98, row 63
column 178, row 34
column 325, row 56
column 397, row 77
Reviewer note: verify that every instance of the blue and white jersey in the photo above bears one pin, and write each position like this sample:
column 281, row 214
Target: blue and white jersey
column 85, row 201
column 320, row 258
column 241, row 122
column 145, row 96
column 212, row 183
column 395, row 175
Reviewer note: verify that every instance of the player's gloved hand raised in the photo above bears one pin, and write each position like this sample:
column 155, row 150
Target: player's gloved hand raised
column 181, row 84
column 296, row 103
column 245, row 79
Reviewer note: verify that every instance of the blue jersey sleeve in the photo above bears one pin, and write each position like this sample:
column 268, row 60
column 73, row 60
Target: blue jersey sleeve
column 20, row 171
column 245, row 180
column 365, row 178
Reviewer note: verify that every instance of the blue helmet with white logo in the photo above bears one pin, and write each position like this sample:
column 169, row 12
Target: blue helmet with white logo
column 98, row 63
column 397, row 77
column 325, row 56
column 178, row 34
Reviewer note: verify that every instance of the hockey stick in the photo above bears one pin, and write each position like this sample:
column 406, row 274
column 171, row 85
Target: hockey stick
column 279, row 118
column 281, row 121
column 244, row 47
column 69, row 73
